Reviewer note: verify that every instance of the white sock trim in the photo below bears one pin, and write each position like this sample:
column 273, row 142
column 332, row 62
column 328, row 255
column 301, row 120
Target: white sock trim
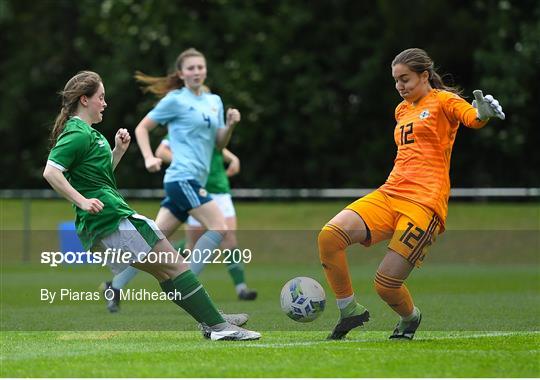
column 342, row 303
column 191, row 293
column 240, row 287
column 413, row 315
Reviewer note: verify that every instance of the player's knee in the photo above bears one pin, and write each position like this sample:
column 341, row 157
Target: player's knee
column 332, row 239
column 217, row 226
column 325, row 243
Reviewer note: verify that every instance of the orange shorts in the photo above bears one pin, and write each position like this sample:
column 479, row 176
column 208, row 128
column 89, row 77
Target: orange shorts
column 411, row 227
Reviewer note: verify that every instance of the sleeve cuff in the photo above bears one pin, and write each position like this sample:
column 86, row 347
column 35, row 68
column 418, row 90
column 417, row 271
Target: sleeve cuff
column 57, row 166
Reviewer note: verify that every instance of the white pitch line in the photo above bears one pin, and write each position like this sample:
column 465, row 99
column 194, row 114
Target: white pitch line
column 346, row 344
column 486, row 335
column 276, row 345
column 370, row 340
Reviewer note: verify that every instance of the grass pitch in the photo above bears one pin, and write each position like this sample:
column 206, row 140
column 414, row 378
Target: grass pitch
column 278, row 354
column 479, row 292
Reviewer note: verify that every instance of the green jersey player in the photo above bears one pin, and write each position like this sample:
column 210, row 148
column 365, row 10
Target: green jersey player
column 80, row 168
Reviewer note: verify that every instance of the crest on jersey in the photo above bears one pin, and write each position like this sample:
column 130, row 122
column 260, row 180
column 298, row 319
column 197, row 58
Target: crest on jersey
column 424, row 114
column 101, row 143
column 203, row 192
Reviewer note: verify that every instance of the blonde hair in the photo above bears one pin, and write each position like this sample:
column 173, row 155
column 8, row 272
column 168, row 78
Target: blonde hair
column 83, row 83
column 419, row 61
column 160, row 86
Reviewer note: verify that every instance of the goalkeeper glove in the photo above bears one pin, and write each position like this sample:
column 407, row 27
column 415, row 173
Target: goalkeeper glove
column 487, row 106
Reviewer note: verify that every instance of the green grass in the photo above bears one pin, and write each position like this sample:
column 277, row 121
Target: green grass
column 278, row 354
column 45, row 214
column 477, row 326
column 479, row 292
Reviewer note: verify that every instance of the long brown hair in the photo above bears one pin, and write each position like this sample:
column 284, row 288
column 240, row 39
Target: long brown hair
column 160, row 86
column 84, row 83
column 419, row 61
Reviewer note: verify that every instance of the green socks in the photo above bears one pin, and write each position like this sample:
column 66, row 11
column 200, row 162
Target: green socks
column 236, row 271
column 195, row 300
column 354, row 308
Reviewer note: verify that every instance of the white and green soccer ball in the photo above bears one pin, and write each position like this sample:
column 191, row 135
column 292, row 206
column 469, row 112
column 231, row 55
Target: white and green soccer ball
column 303, row 299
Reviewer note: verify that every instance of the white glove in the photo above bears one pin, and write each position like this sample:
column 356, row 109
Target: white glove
column 487, row 106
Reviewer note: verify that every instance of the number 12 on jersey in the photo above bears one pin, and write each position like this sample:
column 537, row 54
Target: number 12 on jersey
column 406, row 131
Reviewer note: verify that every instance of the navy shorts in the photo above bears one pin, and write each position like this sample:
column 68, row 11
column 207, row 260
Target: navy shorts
column 183, row 196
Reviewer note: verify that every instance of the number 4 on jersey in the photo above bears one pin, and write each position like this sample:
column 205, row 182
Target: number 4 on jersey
column 207, row 119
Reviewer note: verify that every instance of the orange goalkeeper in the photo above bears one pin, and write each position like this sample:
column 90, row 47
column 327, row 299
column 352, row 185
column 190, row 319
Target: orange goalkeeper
column 410, row 209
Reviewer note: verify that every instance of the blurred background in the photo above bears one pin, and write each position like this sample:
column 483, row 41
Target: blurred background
column 312, row 81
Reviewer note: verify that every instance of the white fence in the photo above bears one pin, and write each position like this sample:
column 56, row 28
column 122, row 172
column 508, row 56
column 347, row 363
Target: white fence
column 481, row 192
column 27, row 195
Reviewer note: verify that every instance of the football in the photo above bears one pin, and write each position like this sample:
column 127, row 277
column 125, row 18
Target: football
column 303, row 299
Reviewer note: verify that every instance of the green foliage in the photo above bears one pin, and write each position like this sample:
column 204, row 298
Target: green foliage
column 313, row 83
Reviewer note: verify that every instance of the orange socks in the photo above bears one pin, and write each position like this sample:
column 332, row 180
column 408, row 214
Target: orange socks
column 395, row 294
column 332, row 243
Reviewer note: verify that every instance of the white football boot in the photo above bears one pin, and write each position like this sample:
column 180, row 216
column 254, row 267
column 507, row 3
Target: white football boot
column 229, row 332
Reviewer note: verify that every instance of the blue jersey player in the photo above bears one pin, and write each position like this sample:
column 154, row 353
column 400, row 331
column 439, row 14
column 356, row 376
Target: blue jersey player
column 196, row 126
column 194, row 119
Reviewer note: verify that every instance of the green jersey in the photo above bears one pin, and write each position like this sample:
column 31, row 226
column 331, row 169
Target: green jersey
column 218, row 182
column 85, row 157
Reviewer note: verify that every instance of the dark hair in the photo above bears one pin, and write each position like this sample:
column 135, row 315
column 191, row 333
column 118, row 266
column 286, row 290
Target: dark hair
column 160, row 86
column 419, row 61
column 84, row 83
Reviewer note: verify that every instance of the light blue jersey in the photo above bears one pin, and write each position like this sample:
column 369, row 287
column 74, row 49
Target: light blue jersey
column 192, row 122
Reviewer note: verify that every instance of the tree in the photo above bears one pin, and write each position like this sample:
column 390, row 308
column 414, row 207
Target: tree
column 313, row 84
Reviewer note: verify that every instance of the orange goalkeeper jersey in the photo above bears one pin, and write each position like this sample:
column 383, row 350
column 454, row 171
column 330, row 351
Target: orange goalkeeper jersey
column 424, row 135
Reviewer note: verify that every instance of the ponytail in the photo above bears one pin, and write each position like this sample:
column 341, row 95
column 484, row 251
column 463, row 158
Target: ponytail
column 58, row 127
column 436, row 81
column 160, row 86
